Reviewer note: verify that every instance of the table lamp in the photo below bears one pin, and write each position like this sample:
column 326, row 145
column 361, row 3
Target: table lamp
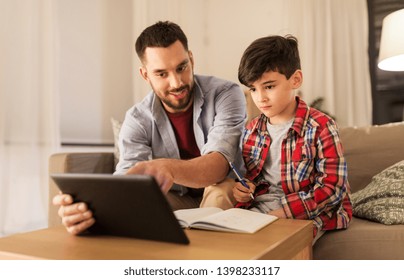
column 391, row 54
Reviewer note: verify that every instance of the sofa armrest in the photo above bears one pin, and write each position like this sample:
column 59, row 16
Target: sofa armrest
column 75, row 163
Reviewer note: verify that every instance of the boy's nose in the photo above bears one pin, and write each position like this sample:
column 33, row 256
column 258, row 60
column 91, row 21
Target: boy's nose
column 262, row 97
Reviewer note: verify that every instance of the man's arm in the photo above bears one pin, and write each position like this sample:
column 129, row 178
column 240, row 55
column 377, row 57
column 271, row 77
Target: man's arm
column 134, row 140
column 229, row 109
column 195, row 173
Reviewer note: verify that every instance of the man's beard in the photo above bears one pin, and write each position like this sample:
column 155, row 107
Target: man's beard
column 183, row 103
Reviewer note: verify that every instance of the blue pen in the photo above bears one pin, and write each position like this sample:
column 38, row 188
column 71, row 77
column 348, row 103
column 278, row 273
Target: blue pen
column 242, row 181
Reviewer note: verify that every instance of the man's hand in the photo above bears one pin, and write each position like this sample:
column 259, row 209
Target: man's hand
column 241, row 193
column 160, row 169
column 76, row 217
column 196, row 173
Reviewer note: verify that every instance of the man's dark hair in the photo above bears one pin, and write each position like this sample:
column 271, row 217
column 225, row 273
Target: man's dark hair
column 271, row 53
column 161, row 34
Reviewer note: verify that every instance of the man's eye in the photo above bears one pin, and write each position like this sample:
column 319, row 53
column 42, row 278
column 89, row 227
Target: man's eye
column 162, row 75
column 182, row 68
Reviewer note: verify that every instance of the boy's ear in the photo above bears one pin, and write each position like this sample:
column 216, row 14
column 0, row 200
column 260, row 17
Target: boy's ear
column 297, row 79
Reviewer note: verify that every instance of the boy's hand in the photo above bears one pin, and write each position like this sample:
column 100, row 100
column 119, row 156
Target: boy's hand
column 241, row 193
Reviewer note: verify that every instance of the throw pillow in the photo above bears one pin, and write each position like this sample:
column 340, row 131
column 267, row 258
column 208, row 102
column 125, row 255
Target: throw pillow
column 116, row 127
column 383, row 199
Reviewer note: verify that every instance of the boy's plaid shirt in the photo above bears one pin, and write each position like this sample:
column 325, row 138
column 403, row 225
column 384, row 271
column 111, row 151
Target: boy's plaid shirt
column 313, row 168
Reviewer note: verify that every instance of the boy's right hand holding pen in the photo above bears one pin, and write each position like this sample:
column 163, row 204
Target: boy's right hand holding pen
column 243, row 189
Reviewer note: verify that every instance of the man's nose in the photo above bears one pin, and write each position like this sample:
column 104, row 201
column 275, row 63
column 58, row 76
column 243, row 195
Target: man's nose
column 175, row 81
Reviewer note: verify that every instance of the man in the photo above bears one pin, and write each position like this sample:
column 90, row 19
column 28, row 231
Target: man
column 184, row 133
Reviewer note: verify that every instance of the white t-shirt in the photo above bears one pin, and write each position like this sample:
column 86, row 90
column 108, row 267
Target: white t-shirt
column 272, row 170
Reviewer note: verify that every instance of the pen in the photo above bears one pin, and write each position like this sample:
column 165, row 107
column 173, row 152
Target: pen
column 242, row 181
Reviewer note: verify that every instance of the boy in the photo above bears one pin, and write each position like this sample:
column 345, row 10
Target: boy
column 292, row 153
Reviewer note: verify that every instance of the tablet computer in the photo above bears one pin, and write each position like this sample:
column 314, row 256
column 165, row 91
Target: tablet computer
column 124, row 205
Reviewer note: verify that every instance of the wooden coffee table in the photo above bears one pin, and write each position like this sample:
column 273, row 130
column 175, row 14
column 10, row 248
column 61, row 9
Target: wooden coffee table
column 283, row 239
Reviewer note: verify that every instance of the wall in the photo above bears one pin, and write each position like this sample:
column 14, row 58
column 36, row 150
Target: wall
column 99, row 75
column 98, row 68
column 217, row 30
column 332, row 38
column 95, row 69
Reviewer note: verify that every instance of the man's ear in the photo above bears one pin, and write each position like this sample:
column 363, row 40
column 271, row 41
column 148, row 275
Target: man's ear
column 297, row 79
column 143, row 73
column 191, row 58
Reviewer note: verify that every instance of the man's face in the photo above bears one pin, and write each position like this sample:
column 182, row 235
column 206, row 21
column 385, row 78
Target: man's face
column 274, row 95
column 169, row 71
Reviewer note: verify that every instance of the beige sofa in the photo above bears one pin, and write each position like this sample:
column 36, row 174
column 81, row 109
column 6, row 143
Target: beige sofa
column 368, row 151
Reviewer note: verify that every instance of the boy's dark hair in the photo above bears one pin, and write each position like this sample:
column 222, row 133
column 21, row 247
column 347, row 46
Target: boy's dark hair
column 271, row 53
column 161, row 34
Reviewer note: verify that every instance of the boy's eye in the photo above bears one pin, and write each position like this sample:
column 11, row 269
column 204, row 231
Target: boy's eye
column 251, row 89
column 269, row 87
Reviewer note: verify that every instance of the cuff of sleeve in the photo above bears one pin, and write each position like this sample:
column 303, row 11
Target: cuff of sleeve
column 286, row 208
column 293, row 207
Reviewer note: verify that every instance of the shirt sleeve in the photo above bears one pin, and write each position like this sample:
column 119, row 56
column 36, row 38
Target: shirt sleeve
column 134, row 144
column 329, row 174
column 225, row 134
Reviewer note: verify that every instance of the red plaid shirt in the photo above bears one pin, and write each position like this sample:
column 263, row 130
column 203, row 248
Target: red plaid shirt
column 313, row 168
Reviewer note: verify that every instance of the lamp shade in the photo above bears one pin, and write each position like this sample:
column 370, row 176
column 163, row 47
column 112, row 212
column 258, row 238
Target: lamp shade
column 391, row 54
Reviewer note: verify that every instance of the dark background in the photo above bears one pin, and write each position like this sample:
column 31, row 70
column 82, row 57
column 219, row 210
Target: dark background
column 387, row 86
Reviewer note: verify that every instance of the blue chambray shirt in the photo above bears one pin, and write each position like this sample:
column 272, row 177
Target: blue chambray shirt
column 219, row 113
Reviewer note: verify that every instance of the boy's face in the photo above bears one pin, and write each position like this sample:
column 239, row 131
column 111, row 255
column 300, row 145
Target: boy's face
column 274, row 95
column 169, row 71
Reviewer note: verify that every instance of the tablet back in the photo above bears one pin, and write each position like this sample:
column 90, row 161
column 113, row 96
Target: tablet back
column 124, row 205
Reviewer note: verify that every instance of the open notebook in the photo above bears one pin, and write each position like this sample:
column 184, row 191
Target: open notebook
column 230, row 220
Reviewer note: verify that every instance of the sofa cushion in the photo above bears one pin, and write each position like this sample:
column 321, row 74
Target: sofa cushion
column 363, row 240
column 371, row 149
column 383, row 199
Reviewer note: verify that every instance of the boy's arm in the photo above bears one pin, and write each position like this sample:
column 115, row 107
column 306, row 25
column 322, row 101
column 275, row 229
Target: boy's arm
column 330, row 179
column 278, row 213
